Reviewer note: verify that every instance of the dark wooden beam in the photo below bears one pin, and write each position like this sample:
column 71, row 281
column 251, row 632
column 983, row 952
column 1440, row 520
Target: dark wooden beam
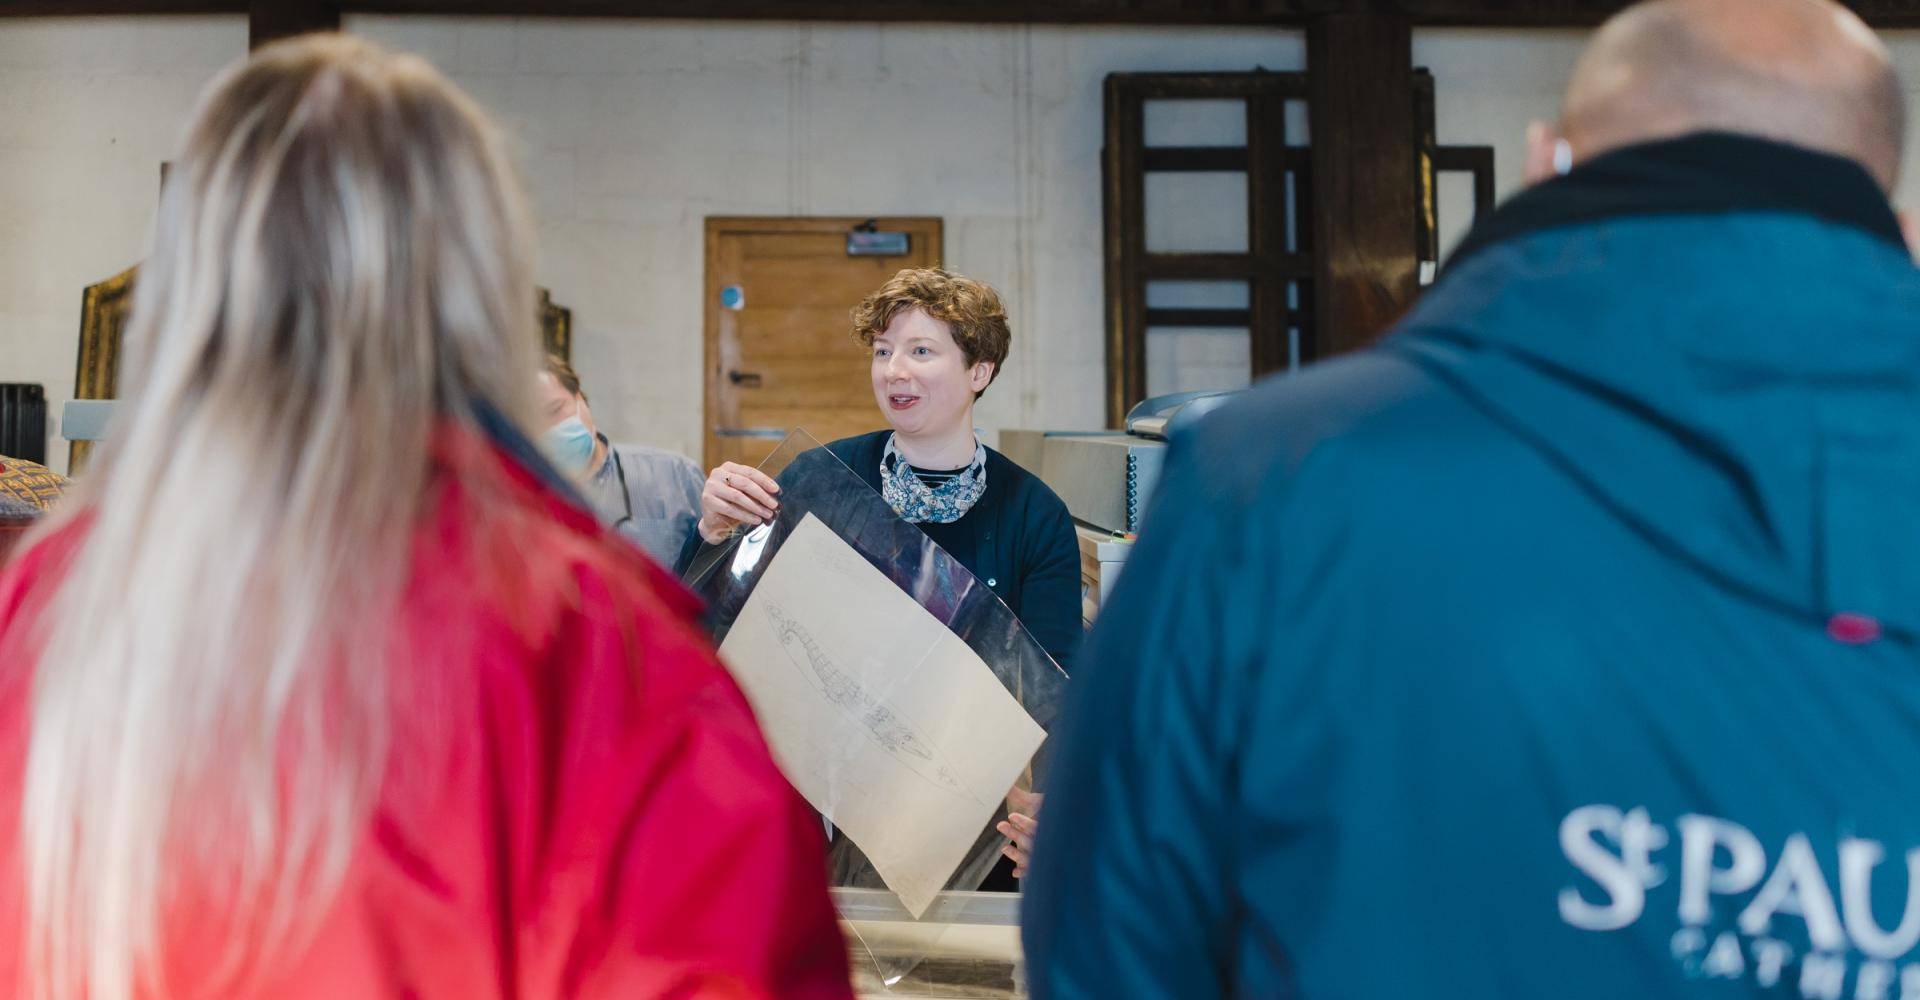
column 1195, row 159
column 1222, row 266
column 1587, row 13
column 93, row 8
column 1491, row 13
column 1123, row 196
column 1190, row 317
column 1226, row 12
column 1366, row 176
column 1485, row 13
column 1474, row 160
column 268, row 20
column 1268, row 217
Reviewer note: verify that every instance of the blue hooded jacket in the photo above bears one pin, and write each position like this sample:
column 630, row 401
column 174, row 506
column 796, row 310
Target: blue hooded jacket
column 1565, row 644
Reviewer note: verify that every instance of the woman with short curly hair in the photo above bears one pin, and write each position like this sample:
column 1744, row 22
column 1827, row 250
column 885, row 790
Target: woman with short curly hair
column 936, row 341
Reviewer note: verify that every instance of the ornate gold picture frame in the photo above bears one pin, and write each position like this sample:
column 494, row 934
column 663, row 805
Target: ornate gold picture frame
column 103, row 317
column 556, row 327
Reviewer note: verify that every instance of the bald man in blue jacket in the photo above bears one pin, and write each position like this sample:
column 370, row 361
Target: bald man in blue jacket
column 1567, row 642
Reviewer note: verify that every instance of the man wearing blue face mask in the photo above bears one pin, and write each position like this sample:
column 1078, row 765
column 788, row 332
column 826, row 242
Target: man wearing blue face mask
column 651, row 496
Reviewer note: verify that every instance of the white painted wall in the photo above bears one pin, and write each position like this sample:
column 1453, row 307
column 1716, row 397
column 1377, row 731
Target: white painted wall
column 634, row 132
column 89, row 108
column 631, row 133
column 1487, row 85
column 1905, row 46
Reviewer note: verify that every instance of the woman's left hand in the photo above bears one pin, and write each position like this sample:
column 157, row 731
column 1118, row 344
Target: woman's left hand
column 1020, row 826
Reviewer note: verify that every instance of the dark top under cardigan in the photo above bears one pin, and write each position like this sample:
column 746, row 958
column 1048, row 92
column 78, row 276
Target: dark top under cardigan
column 1017, row 538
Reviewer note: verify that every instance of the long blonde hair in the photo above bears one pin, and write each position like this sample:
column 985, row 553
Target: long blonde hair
column 340, row 266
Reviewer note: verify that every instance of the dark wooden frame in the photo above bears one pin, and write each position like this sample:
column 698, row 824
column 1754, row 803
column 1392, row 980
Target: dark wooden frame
column 1267, row 266
column 1476, row 161
column 1343, row 260
column 1435, row 159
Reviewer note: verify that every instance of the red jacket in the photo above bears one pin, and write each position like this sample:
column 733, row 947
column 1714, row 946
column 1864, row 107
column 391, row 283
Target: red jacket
column 578, row 802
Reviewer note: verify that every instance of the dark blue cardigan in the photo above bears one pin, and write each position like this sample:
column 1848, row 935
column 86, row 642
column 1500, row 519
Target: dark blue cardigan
column 1018, row 539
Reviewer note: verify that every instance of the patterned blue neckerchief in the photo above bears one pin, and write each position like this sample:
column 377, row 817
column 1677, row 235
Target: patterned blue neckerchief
column 918, row 503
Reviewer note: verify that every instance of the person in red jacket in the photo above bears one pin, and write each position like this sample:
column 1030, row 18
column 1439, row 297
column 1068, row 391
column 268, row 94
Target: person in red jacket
column 322, row 683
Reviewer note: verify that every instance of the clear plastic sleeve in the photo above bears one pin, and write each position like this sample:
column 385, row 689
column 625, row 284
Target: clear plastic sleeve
column 815, row 482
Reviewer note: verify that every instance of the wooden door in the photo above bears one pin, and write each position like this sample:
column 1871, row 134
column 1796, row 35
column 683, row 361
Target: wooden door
column 780, row 348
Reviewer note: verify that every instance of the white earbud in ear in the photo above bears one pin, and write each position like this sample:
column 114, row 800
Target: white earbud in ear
column 1562, row 157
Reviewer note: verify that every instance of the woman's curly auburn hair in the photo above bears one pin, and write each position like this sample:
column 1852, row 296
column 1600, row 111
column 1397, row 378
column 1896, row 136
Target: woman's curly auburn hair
column 971, row 309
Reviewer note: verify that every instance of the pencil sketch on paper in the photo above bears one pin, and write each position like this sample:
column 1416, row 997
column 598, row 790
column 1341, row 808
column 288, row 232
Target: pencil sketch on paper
column 848, row 565
column 888, row 728
column 885, row 721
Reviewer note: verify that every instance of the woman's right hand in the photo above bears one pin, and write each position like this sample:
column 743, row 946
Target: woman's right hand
column 736, row 495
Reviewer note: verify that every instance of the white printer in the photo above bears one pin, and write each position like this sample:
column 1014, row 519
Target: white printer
column 1107, row 478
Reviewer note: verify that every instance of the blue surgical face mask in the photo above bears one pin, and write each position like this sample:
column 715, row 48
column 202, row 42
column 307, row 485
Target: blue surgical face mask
column 569, row 444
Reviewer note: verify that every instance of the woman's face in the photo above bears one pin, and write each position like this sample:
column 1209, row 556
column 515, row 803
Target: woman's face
column 921, row 378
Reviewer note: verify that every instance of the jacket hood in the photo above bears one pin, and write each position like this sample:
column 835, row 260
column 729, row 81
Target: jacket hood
column 1719, row 338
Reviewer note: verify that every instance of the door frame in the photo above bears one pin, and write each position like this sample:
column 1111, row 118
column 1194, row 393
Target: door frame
column 720, row 225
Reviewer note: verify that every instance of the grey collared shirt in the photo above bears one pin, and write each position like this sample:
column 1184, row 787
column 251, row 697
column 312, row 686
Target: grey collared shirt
column 662, row 489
